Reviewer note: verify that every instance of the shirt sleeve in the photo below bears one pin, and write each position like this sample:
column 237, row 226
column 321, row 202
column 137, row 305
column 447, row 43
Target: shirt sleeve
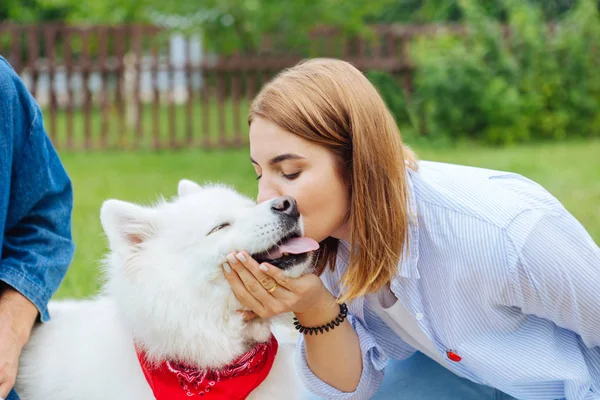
column 37, row 246
column 557, row 274
column 374, row 362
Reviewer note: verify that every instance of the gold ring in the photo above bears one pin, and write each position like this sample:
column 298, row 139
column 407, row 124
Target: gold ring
column 273, row 288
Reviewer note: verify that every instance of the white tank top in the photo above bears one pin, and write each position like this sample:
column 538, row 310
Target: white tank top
column 397, row 317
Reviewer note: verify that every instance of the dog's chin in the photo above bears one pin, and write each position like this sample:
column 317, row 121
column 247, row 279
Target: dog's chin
column 290, row 261
column 257, row 330
column 301, row 266
column 292, row 265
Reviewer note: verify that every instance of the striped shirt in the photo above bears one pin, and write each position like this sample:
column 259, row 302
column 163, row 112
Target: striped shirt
column 500, row 277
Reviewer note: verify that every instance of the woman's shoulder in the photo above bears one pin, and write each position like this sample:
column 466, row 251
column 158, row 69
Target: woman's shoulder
column 470, row 193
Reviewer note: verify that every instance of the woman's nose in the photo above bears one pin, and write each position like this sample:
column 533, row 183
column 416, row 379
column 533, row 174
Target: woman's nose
column 266, row 194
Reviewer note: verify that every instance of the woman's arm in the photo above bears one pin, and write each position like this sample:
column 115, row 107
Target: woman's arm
column 344, row 363
column 557, row 271
column 335, row 356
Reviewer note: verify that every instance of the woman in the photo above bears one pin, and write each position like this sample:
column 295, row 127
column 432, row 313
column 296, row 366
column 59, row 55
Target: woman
column 483, row 272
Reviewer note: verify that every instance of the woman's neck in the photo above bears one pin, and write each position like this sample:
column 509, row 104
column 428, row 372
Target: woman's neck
column 342, row 232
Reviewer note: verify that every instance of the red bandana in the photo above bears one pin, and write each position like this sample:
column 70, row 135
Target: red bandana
column 174, row 381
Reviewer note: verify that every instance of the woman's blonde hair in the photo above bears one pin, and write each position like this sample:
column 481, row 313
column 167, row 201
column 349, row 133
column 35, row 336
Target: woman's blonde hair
column 331, row 103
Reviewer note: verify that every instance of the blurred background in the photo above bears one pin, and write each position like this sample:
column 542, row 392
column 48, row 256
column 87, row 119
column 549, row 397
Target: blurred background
column 138, row 94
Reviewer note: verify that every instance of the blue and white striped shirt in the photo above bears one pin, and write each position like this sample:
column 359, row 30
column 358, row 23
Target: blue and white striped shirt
column 499, row 273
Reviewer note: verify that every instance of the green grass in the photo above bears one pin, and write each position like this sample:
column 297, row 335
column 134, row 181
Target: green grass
column 570, row 171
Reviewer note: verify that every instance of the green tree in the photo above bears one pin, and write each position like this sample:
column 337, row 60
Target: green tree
column 31, row 11
column 232, row 25
column 423, row 11
column 529, row 86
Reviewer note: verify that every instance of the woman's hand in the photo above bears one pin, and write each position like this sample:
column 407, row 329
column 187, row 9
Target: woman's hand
column 313, row 304
column 266, row 291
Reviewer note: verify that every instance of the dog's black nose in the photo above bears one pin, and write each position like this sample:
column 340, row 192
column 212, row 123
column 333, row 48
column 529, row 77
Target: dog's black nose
column 285, row 205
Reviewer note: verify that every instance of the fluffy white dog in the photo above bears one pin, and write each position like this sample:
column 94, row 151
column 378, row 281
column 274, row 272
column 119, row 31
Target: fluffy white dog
column 167, row 325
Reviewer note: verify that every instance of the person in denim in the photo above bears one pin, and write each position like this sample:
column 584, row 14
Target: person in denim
column 36, row 201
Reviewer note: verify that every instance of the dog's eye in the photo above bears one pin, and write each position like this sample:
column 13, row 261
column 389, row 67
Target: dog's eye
column 218, row 227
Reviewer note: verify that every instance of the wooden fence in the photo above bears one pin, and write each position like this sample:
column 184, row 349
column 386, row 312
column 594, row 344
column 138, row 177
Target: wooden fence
column 141, row 87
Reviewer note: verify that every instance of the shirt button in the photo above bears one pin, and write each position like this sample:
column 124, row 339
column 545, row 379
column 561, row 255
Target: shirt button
column 419, row 316
column 453, row 356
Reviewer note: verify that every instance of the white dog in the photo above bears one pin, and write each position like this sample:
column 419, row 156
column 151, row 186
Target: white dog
column 167, row 324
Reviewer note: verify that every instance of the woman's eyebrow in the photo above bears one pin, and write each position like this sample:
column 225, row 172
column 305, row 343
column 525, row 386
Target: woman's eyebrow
column 280, row 158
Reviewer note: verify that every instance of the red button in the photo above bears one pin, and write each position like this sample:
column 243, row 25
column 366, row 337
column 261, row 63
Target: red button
column 453, row 356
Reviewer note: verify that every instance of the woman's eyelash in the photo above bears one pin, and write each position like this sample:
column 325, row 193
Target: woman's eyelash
column 286, row 176
column 218, row 227
column 291, row 176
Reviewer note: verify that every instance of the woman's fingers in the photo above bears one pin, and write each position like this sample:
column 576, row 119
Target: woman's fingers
column 251, row 265
column 241, row 293
column 271, row 288
column 247, row 268
column 278, row 275
column 262, row 288
column 265, row 272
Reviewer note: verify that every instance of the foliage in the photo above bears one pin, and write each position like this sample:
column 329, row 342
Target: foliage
column 229, row 26
column 210, row 11
column 392, row 93
column 240, row 25
column 424, row 11
column 533, row 85
column 32, row 11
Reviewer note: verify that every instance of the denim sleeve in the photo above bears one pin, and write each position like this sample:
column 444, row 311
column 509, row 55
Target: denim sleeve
column 374, row 361
column 36, row 198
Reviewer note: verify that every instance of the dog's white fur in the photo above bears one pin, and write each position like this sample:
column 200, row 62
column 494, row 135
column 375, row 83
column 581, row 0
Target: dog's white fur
column 165, row 292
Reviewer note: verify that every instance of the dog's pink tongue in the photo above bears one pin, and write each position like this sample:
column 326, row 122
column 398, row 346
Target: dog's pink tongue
column 297, row 245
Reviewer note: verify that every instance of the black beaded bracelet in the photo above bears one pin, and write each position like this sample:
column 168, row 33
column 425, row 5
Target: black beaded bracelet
column 338, row 320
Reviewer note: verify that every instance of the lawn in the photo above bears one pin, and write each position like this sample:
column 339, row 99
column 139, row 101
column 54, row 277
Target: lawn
column 570, row 171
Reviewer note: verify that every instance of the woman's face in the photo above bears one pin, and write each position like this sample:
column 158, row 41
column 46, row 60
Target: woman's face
column 287, row 165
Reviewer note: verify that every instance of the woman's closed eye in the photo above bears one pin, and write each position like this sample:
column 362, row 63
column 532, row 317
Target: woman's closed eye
column 291, row 177
column 218, row 228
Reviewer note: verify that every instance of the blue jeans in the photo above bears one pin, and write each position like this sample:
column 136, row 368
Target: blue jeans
column 12, row 396
column 421, row 378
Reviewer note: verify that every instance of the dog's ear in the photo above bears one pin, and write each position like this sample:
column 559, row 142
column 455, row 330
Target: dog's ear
column 127, row 225
column 186, row 187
